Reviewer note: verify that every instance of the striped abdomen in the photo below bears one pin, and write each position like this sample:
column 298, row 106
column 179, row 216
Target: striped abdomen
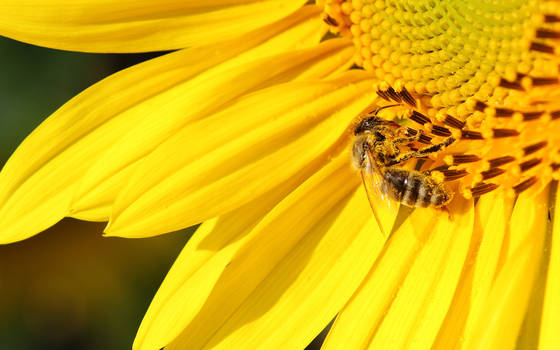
column 414, row 189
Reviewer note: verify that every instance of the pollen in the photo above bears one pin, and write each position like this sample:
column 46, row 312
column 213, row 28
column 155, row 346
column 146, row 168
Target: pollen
column 483, row 73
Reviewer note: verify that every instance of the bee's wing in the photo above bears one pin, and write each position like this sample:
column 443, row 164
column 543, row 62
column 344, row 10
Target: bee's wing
column 384, row 209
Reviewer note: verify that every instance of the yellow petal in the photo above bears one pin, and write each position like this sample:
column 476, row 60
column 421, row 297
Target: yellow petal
column 38, row 182
column 202, row 307
column 111, row 173
column 312, row 283
column 493, row 212
column 502, row 315
column 230, row 159
column 403, row 307
column 134, row 26
column 549, row 339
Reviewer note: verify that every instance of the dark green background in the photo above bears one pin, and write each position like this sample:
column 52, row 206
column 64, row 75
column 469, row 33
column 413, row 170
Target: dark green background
column 69, row 288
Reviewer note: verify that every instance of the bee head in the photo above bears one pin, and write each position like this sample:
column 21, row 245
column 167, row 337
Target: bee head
column 368, row 124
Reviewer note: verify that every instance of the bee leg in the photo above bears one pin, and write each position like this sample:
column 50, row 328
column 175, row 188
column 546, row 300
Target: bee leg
column 423, row 152
column 410, row 139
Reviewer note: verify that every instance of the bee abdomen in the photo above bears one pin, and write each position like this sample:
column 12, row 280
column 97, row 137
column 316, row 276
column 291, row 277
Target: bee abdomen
column 415, row 189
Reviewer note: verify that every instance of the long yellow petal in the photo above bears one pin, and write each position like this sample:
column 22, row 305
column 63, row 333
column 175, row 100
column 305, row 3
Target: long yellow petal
column 212, row 236
column 394, row 292
column 549, row 339
column 493, row 212
column 502, row 315
column 38, row 183
column 422, row 301
column 246, row 262
column 311, row 284
column 136, row 25
column 227, row 164
column 103, row 181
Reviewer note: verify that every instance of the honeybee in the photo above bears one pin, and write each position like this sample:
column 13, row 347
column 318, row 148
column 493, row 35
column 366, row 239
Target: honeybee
column 377, row 154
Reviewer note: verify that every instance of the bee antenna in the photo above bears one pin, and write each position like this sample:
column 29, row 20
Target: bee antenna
column 383, row 107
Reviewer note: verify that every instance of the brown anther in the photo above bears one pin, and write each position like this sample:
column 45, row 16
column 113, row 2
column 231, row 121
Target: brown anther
column 330, row 21
column 488, row 174
column 410, row 132
column 383, row 95
column 527, row 116
column 450, row 175
column 515, row 85
column 529, row 164
column 545, row 81
column 547, row 34
column 425, row 139
column 393, row 94
column 541, row 47
column 534, row 147
column 453, row 122
column 496, row 162
column 419, row 118
column 522, row 186
column 483, row 188
column 554, row 115
column 471, row 135
column 551, row 18
column 440, row 131
column 504, row 112
column 480, row 106
column 555, row 166
column 464, row 158
column 499, row 133
column 407, row 97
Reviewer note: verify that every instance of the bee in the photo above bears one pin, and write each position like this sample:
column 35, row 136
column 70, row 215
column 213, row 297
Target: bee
column 377, row 154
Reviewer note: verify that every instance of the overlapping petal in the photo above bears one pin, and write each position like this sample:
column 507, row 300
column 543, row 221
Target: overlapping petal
column 38, row 183
column 493, row 213
column 499, row 322
column 549, row 338
column 221, row 171
column 251, row 259
column 136, row 25
column 403, row 301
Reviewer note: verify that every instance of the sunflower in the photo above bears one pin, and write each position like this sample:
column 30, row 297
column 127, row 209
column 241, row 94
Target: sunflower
column 246, row 127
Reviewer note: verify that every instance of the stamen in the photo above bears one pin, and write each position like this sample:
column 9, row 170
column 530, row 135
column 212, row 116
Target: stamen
column 450, row 175
column 551, row 18
column 496, row 162
column 453, row 122
column 461, row 159
column 522, row 186
column 440, row 131
column 541, row 47
column 547, row 34
column 498, row 133
column 510, row 85
column 471, row 135
column 488, row 174
column 425, row 139
column 419, row 118
column 529, row 164
column 528, row 116
column 407, row 97
column 504, row 112
column 482, row 188
column 329, row 20
column 544, row 81
column 534, row 147
column 480, row 106
column 555, row 115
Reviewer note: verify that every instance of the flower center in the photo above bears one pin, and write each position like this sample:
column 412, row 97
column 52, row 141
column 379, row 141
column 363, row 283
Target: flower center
column 485, row 71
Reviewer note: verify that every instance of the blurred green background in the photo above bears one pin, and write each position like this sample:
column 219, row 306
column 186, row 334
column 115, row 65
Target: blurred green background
column 69, row 288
